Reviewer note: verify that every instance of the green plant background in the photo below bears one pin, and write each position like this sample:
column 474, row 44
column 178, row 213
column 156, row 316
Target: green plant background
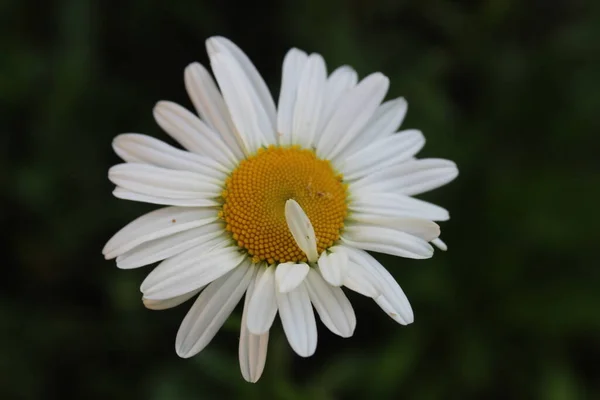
column 508, row 89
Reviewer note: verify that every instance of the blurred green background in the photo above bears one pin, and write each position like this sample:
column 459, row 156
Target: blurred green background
column 508, row 89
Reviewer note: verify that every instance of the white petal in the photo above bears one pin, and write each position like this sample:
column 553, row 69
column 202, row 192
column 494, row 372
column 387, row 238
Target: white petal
column 419, row 227
column 190, row 270
column 376, row 155
column 211, row 309
column 262, row 307
column 389, row 241
column 253, row 348
column 169, row 303
column 289, row 275
column 385, row 121
column 210, row 105
column 192, row 133
column 387, row 307
column 338, row 84
column 293, row 65
column 155, row 181
column 309, row 100
column 393, row 300
column 168, row 246
column 352, row 114
column 248, row 116
column 333, row 266
column 301, row 229
column 262, row 94
column 298, row 320
column 392, row 204
column 410, row 178
column 361, row 280
column 156, row 224
column 136, row 148
column 165, row 201
column 332, row 305
column 439, row 244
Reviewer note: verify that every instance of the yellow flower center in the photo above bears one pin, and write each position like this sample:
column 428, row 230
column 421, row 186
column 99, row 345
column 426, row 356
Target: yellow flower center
column 255, row 196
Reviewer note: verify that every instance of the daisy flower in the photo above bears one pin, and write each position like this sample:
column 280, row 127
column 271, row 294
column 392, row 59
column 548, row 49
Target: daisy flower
column 280, row 203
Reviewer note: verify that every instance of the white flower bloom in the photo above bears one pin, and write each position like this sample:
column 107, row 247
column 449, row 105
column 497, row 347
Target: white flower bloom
column 276, row 202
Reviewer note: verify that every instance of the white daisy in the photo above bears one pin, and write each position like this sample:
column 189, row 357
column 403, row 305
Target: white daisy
column 278, row 203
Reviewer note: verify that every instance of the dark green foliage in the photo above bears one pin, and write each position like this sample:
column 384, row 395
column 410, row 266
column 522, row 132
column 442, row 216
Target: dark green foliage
column 508, row 89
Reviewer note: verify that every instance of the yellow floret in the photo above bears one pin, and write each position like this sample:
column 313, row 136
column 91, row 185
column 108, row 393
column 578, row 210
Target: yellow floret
column 255, row 195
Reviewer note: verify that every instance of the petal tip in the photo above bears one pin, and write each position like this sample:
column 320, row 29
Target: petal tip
column 192, row 66
column 183, row 353
column 214, row 44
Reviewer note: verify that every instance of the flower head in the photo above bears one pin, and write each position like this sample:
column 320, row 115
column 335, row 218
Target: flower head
column 278, row 203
